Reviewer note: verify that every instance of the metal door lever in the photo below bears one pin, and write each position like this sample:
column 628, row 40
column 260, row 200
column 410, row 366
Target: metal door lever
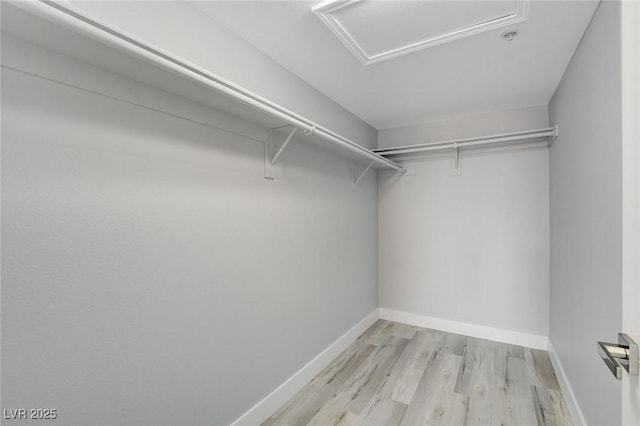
column 621, row 355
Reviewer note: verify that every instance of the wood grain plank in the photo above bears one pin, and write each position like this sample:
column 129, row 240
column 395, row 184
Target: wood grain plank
column 458, row 411
column 499, row 407
column 477, row 381
column 382, row 412
column 542, row 404
column 306, row 403
column 476, row 368
column 550, row 407
column 348, row 419
column 378, row 333
column 520, row 404
column 404, row 330
column 540, row 369
column 563, row 417
column 363, row 384
column 514, row 351
column 434, row 394
column 383, row 329
column 455, row 343
column 405, row 376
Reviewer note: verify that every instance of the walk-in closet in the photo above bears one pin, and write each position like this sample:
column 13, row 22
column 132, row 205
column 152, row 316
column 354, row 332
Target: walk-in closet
column 341, row 212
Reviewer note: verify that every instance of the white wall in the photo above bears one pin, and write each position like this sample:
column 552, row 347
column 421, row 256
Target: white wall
column 174, row 25
column 150, row 274
column 471, row 248
column 466, row 126
column 586, row 215
column 631, row 198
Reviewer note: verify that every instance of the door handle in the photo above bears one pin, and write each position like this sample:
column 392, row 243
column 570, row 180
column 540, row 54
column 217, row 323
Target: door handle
column 621, row 355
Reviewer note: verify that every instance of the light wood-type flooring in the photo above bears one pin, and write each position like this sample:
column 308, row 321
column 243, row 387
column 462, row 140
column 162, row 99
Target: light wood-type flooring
column 397, row 374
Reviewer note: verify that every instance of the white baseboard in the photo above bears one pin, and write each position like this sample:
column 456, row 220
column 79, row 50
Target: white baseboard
column 483, row 332
column 567, row 390
column 265, row 408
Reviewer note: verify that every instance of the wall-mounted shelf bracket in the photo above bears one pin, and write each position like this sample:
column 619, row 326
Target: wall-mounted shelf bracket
column 269, row 157
column 357, row 177
column 364, row 172
column 457, row 171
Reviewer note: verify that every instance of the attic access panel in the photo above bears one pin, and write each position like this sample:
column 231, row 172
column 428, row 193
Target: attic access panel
column 376, row 31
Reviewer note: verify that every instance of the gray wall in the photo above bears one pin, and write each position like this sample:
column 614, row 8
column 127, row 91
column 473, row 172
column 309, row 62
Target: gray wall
column 586, row 215
column 150, row 274
column 174, row 25
column 472, row 248
column 631, row 197
column 466, row 126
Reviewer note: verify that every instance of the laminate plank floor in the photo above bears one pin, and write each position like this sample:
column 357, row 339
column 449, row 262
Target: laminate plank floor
column 397, row 374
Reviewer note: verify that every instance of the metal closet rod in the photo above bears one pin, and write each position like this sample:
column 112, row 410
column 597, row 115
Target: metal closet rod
column 548, row 132
column 62, row 15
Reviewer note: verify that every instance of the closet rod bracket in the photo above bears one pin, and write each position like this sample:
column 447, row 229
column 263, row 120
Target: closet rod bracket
column 555, row 134
column 357, row 177
column 311, row 131
column 457, row 171
column 270, row 158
